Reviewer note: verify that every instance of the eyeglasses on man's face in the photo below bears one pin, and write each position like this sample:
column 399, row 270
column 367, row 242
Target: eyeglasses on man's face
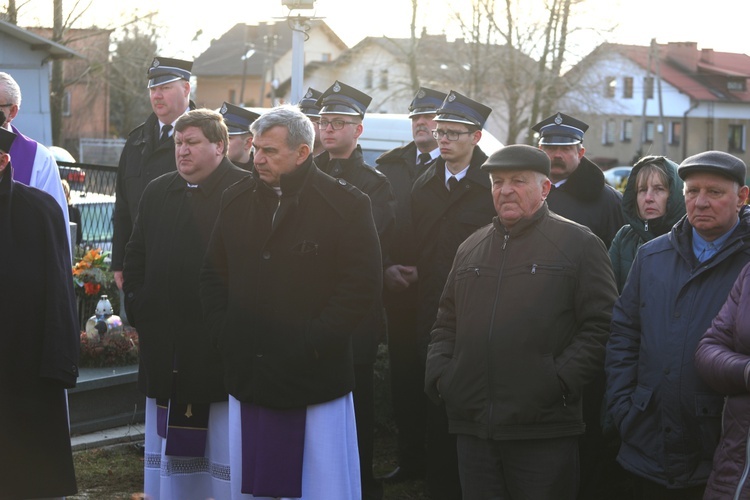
column 452, row 135
column 336, row 124
column 6, row 105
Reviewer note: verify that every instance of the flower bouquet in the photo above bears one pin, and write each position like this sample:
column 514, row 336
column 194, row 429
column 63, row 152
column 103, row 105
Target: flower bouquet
column 92, row 277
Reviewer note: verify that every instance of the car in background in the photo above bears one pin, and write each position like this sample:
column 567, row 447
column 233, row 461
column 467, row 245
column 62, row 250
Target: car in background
column 75, row 176
column 96, row 219
column 385, row 131
column 615, row 175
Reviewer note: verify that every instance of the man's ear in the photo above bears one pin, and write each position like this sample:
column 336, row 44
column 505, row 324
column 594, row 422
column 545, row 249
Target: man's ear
column 4, row 161
column 303, row 151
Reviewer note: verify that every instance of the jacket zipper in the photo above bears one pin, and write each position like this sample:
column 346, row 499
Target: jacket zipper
column 489, row 335
column 745, row 471
column 534, row 267
column 645, row 225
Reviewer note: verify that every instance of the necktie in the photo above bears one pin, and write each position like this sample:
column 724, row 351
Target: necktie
column 424, row 158
column 452, row 183
column 165, row 133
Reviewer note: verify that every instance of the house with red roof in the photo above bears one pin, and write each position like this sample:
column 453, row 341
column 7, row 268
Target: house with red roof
column 670, row 99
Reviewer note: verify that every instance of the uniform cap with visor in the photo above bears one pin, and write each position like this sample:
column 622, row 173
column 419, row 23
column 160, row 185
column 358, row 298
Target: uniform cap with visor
column 309, row 103
column 342, row 99
column 237, row 119
column 560, row 130
column 458, row 108
column 164, row 70
column 426, row 102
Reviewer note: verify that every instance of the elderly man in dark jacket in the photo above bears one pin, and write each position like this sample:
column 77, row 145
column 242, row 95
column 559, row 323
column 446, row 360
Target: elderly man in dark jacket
column 668, row 418
column 510, row 372
column 149, row 150
column 180, row 370
column 292, row 270
column 40, row 335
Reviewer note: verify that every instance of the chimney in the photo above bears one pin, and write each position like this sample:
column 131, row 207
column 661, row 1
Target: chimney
column 684, row 54
column 707, row 56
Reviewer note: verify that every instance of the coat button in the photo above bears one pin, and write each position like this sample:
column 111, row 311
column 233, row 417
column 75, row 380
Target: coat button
column 341, row 181
column 266, row 254
column 258, row 355
column 130, row 295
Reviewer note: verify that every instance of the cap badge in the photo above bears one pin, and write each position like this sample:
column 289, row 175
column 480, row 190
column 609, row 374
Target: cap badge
column 223, row 110
column 155, row 64
column 308, row 95
column 420, row 94
column 452, row 97
column 336, row 87
column 558, row 119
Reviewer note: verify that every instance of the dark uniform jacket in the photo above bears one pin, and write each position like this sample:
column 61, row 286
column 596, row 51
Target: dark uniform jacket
column 521, row 329
column 142, row 160
column 162, row 266
column 586, row 199
column 669, row 419
column 442, row 220
column 40, row 338
column 400, row 166
column 285, row 284
column 356, row 172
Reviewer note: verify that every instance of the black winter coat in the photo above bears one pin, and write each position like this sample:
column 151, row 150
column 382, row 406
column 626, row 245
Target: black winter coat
column 40, row 338
column 142, row 160
column 282, row 300
column 162, row 265
column 374, row 184
column 586, row 199
column 400, row 166
column 442, row 221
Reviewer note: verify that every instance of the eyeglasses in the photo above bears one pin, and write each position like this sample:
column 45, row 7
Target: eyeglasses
column 336, row 124
column 452, row 135
column 6, row 105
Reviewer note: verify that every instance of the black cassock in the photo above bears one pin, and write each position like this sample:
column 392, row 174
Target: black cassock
column 40, row 345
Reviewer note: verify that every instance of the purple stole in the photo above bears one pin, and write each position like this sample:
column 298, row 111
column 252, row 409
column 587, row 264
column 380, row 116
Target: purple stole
column 273, row 444
column 184, row 426
column 22, row 154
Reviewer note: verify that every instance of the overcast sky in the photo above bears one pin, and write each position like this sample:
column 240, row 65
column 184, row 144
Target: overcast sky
column 722, row 26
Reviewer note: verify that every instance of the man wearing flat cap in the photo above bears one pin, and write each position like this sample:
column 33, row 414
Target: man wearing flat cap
column 342, row 108
column 402, row 166
column 149, row 150
column 450, row 200
column 520, row 331
column 309, row 107
column 238, row 121
column 667, row 417
column 578, row 192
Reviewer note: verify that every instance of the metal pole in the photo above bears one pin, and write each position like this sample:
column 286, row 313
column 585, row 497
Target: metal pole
column 298, row 59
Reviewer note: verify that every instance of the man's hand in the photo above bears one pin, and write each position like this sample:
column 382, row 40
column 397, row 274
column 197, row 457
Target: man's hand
column 118, row 279
column 398, row 278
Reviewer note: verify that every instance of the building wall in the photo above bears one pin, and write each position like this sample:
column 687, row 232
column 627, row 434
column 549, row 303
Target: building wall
column 30, row 69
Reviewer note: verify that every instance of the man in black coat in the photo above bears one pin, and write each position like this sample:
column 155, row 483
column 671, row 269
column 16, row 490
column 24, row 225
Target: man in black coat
column 292, row 270
column 180, row 370
column 402, row 166
column 40, row 336
column 149, row 150
column 450, row 200
column 341, row 111
column 580, row 194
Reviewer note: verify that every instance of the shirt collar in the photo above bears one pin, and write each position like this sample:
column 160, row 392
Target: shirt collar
column 704, row 250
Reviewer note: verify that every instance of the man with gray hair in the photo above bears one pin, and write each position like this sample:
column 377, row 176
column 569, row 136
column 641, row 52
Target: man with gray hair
column 180, row 370
column 292, row 269
column 33, row 164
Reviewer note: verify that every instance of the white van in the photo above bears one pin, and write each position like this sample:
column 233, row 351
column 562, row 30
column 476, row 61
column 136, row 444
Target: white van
column 383, row 132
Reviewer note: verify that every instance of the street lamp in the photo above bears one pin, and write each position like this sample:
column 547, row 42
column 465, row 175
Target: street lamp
column 298, row 40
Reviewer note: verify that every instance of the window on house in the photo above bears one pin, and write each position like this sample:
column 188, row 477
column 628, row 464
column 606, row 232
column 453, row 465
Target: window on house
column 627, row 130
column 610, row 85
column 627, row 91
column 232, row 96
column 609, row 133
column 737, row 84
column 737, row 138
column 66, row 104
column 325, row 57
column 648, row 87
column 648, row 132
column 383, row 79
column 368, row 79
column 675, row 132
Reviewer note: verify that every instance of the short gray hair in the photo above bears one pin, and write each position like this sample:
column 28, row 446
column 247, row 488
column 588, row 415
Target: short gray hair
column 300, row 129
column 12, row 90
